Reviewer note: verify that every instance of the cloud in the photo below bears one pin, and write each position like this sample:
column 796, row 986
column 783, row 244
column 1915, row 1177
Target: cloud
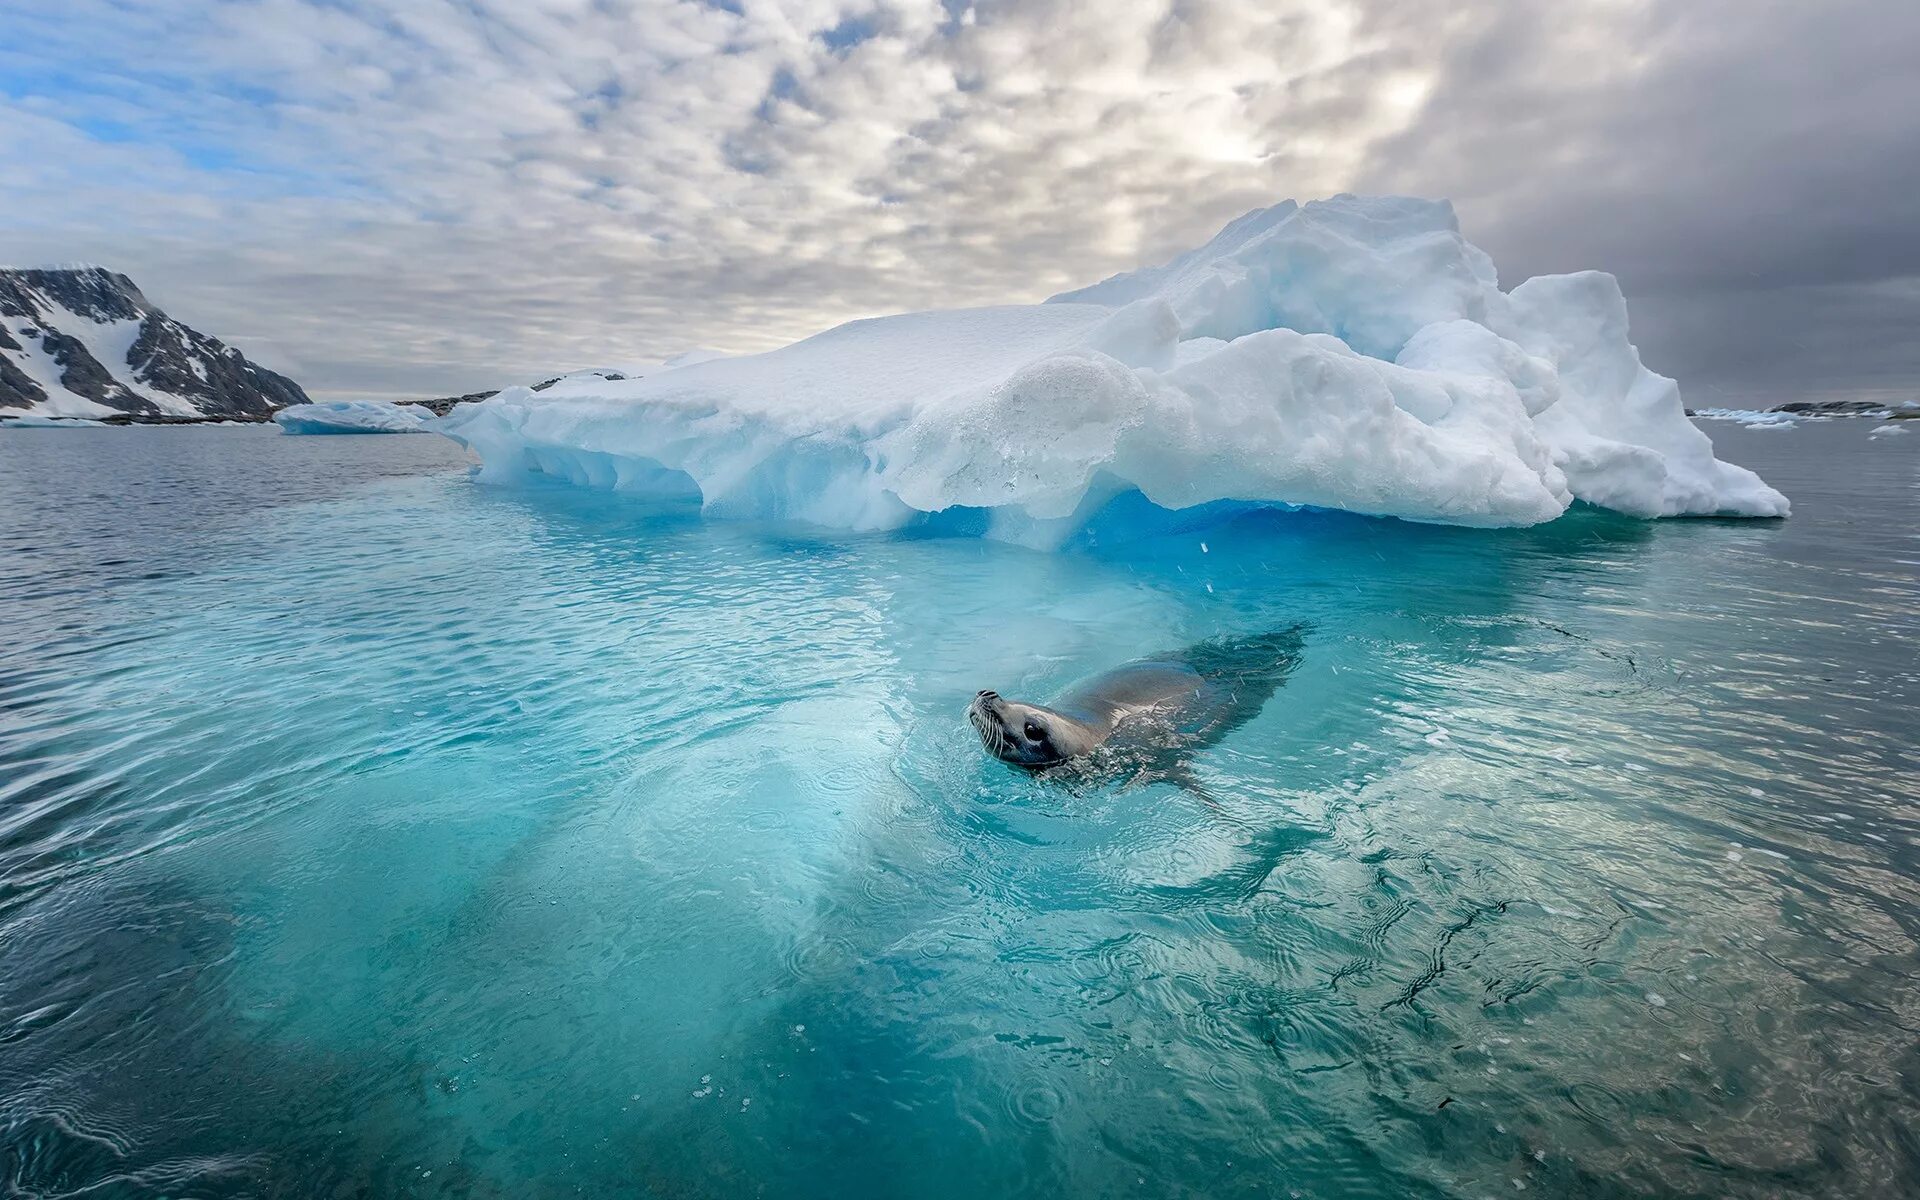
column 1747, row 169
column 437, row 195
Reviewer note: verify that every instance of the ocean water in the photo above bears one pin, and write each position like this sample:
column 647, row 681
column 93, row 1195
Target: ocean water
column 364, row 830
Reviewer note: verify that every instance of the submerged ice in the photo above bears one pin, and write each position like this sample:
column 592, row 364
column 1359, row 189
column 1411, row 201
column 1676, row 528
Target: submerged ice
column 1354, row 353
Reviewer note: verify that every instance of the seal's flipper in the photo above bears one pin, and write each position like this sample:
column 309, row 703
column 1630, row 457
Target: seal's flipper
column 1179, row 775
column 1182, row 777
column 1244, row 673
column 1255, row 658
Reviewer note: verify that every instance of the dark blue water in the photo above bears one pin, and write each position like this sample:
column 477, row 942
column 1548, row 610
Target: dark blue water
column 364, row 831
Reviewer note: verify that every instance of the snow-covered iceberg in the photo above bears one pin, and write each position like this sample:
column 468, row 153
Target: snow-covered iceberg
column 353, row 416
column 1354, row 353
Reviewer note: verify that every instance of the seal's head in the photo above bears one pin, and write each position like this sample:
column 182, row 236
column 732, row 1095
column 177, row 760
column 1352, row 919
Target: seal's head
column 1027, row 735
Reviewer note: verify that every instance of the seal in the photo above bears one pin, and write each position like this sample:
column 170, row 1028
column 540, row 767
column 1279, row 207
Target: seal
column 1138, row 714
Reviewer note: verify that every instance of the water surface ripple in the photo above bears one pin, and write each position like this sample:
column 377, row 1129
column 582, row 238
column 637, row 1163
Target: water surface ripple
column 366, row 831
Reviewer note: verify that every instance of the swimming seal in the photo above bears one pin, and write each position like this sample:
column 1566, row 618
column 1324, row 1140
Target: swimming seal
column 1170, row 703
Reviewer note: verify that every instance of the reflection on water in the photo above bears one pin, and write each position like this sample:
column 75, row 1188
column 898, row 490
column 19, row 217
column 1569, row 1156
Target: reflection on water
column 362, row 829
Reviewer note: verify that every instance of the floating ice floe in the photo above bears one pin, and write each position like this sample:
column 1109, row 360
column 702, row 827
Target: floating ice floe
column 353, row 416
column 1750, row 417
column 39, row 421
column 1354, row 353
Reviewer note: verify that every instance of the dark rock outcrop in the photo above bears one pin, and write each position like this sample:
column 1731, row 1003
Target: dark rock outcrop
column 443, row 405
column 1830, row 408
column 167, row 353
column 16, row 389
column 83, row 375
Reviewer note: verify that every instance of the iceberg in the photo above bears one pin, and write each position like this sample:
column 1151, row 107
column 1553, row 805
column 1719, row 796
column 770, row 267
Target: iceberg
column 353, row 416
column 1354, row 353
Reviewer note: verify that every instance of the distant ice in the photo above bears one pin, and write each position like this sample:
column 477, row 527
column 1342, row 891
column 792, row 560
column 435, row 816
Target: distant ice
column 1746, row 416
column 353, row 416
column 1354, row 353
column 41, row 421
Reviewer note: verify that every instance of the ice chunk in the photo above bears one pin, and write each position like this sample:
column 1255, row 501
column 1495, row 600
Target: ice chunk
column 1619, row 430
column 353, row 416
column 1355, row 353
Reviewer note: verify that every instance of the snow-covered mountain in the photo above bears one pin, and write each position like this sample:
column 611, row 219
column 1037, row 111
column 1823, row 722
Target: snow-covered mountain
column 84, row 342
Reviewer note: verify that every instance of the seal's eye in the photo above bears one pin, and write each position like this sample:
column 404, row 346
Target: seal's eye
column 1034, row 732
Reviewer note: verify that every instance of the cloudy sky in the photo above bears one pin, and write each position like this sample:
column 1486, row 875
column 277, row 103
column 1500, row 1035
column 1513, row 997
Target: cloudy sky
column 417, row 197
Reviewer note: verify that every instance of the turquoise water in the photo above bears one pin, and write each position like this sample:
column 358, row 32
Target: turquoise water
column 367, row 831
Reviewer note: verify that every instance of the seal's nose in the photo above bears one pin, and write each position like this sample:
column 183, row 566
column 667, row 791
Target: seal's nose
column 987, row 696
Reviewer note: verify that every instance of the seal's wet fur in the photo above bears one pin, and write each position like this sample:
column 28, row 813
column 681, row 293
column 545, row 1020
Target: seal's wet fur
column 1146, row 715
